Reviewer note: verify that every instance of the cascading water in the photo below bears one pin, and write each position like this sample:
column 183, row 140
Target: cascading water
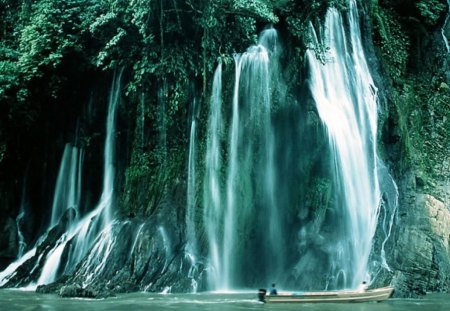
column 20, row 220
column 191, row 247
column 211, row 194
column 22, row 243
column 252, row 172
column 388, row 210
column 248, row 206
column 444, row 28
column 80, row 236
column 68, row 184
column 167, row 246
column 107, row 197
column 83, row 234
column 346, row 100
column 191, row 193
column 66, row 201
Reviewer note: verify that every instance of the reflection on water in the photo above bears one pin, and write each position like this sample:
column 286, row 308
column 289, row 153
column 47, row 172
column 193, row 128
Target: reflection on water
column 24, row 300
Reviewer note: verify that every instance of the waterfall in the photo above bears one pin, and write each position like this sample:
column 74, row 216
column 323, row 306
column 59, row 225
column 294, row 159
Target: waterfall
column 83, row 234
column 248, row 205
column 21, row 217
column 22, row 243
column 66, row 200
column 443, row 29
column 191, row 236
column 110, row 151
column 346, row 100
column 50, row 270
column 95, row 262
column 388, row 210
column 68, row 183
column 167, row 246
column 211, row 194
column 10, row 271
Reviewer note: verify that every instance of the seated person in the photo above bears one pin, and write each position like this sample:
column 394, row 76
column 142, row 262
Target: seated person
column 363, row 287
column 273, row 290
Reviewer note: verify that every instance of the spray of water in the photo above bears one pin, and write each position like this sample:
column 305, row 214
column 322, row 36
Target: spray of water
column 68, row 184
column 444, row 29
column 212, row 191
column 346, row 100
column 191, row 193
column 20, row 219
column 82, row 234
column 249, row 170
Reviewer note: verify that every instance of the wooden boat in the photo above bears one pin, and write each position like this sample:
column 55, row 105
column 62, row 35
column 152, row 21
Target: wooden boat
column 378, row 294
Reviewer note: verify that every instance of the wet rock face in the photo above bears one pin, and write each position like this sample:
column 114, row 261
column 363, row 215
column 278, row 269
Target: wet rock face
column 8, row 241
column 132, row 256
column 421, row 258
column 417, row 150
column 75, row 291
column 29, row 271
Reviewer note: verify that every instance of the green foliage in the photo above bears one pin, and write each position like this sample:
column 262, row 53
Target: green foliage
column 149, row 178
column 141, row 164
column 9, row 15
column 54, row 31
column 9, row 73
column 339, row 4
column 430, row 130
column 393, row 41
column 415, row 105
column 169, row 48
column 257, row 8
column 430, row 11
column 118, row 33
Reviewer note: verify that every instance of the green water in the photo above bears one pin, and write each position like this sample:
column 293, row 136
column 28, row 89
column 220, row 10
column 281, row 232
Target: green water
column 23, row 300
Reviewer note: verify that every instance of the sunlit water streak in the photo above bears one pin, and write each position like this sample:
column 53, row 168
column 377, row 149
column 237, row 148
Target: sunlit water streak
column 212, row 192
column 248, row 187
column 191, row 200
column 346, row 100
column 68, row 184
column 445, row 29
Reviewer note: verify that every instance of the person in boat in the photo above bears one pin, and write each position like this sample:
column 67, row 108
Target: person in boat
column 273, row 290
column 262, row 295
column 363, row 287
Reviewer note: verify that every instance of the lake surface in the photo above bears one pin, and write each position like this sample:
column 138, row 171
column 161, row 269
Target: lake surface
column 26, row 300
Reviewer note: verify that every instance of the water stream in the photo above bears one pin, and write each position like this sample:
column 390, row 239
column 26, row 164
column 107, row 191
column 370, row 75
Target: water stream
column 346, row 100
column 68, row 184
column 191, row 251
column 191, row 192
column 20, row 219
column 255, row 219
column 249, row 169
column 444, row 28
column 213, row 161
column 82, row 233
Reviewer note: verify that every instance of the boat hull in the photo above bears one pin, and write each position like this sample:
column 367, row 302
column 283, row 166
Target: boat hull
column 378, row 294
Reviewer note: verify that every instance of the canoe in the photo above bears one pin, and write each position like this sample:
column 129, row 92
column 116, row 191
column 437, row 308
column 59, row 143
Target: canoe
column 378, row 294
